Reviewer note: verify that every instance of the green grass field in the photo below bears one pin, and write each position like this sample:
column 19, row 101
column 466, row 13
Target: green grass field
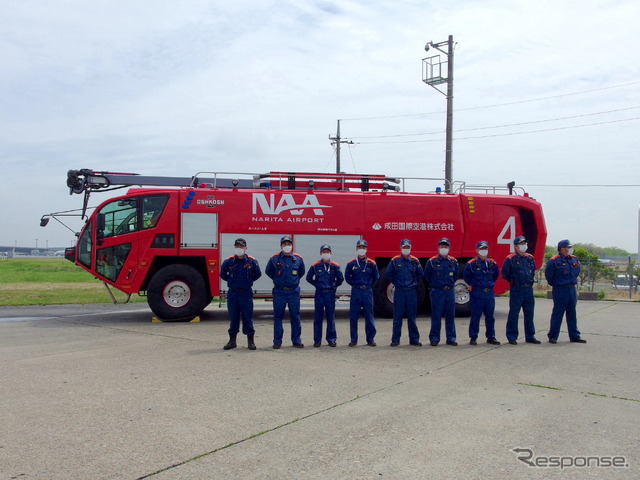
column 50, row 281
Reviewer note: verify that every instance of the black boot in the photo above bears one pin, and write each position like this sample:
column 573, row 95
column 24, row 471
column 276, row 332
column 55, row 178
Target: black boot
column 232, row 341
column 252, row 346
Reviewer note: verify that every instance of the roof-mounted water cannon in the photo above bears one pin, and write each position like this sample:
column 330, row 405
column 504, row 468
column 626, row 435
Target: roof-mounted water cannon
column 386, row 186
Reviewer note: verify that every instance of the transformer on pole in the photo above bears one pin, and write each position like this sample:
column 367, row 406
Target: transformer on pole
column 433, row 75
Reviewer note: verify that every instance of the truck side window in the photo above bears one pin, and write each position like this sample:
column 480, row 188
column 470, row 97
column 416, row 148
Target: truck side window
column 84, row 247
column 109, row 261
column 152, row 208
column 121, row 216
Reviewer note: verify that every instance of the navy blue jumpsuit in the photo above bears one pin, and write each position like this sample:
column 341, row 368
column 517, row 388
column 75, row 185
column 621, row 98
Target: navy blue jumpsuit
column 361, row 274
column 326, row 277
column 240, row 273
column 481, row 276
column 562, row 274
column 519, row 269
column 286, row 272
column 405, row 273
column 441, row 274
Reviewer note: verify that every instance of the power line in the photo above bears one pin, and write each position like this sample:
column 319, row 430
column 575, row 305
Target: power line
column 513, row 133
column 549, row 119
column 504, row 125
column 496, row 104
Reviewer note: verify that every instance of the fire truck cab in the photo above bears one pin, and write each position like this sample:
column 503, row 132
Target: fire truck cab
column 168, row 237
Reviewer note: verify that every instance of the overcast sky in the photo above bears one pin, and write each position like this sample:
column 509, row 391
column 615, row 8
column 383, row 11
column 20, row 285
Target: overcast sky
column 172, row 88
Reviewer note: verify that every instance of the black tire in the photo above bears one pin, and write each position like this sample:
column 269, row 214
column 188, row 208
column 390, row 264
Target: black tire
column 383, row 296
column 177, row 292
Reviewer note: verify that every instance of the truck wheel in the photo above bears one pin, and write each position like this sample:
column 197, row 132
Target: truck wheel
column 463, row 298
column 383, row 297
column 177, row 292
column 383, row 291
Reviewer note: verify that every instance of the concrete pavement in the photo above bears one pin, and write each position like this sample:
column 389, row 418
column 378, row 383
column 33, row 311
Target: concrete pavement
column 100, row 392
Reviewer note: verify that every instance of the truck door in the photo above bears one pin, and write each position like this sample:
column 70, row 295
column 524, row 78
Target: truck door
column 117, row 226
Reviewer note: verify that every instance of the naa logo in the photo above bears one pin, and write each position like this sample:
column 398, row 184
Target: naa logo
column 261, row 205
column 376, row 226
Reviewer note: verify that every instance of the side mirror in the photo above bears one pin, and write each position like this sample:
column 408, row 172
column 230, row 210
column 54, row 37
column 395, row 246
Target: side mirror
column 44, row 221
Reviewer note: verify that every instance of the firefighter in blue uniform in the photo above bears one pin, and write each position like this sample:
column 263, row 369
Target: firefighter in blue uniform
column 519, row 269
column 286, row 269
column 361, row 273
column 240, row 271
column 441, row 272
column 405, row 273
column 562, row 274
column 326, row 276
column 481, row 273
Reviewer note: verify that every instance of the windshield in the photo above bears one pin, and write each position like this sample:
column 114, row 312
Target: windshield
column 120, row 216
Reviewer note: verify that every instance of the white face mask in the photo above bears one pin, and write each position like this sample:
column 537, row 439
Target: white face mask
column 483, row 253
column 361, row 252
column 287, row 249
column 326, row 257
column 443, row 251
column 239, row 251
column 570, row 251
column 406, row 251
column 522, row 248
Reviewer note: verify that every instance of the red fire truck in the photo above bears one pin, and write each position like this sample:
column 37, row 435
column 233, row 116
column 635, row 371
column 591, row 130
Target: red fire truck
column 166, row 237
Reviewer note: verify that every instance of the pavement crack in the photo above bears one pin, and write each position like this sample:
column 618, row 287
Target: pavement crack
column 264, row 432
column 126, row 330
column 305, row 417
column 539, row 386
column 614, row 397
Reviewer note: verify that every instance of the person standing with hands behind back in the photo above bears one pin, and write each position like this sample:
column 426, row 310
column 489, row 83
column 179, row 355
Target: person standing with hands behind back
column 519, row 270
column 405, row 273
column 326, row 276
column 286, row 269
column 441, row 272
column 562, row 274
column 481, row 274
column 361, row 273
column 240, row 271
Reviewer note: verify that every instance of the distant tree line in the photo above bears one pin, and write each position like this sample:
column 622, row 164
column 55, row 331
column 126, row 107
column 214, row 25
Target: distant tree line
column 593, row 269
column 599, row 252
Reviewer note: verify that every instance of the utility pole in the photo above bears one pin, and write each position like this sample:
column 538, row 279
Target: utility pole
column 337, row 141
column 432, row 75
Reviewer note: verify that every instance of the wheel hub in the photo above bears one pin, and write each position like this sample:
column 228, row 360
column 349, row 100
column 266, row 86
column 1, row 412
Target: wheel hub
column 176, row 294
column 461, row 292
